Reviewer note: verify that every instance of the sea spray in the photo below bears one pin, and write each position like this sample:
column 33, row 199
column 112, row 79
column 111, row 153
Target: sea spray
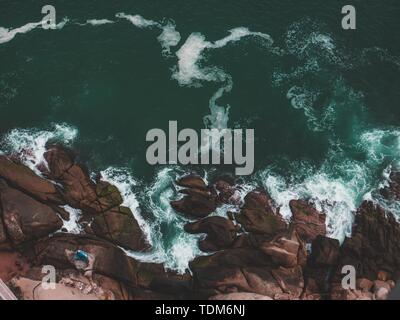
column 125, row 182
column 171, row 243
column 72, row 225
column 30, row 144
column 336, row 197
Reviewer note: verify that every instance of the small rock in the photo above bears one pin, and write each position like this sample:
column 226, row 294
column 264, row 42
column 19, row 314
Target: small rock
column 364, row 284
column 383, row 275
column 381, row 294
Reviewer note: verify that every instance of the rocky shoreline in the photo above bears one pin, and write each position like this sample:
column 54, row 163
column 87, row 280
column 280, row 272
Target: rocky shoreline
column 253, row 254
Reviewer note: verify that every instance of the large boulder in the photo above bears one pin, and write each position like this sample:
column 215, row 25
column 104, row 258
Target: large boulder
column 24, row 217
column 192, row 182
column 109, row 259
column 325, row 251
column 120, row 227
column 221, row 233
column 12, row 264
column 259, row 216
column 264, row 281
column 79, row 191
column 244, row 270
column 308, row 222
column 322, row 262
column 173, row 285
column 374, row 245
column 285, row 251
column 237, row 257
column 24, row 179
column 198, row 201
column 226, row 190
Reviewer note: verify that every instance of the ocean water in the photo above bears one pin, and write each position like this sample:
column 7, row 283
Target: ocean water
column 324, row 102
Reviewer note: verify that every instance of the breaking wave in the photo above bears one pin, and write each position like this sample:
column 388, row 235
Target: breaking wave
column 172, row 245
column 72, row 225
column 126, row 184
column 30, row 144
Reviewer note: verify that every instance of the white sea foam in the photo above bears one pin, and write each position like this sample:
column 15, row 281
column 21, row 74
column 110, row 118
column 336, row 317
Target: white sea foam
column 382, row 148
column 381, row 144
column 175, row 248
column 30, row 144
column 171, row 245
column 336, row 191
column 72, row 225
column 7, row 35
column 98, row 22
column 190, row 71
column 169, row 37
column 125, row 182
column 138, row 20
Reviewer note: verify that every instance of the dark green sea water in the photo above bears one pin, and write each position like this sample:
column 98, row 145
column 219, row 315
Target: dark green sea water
column 324, row 102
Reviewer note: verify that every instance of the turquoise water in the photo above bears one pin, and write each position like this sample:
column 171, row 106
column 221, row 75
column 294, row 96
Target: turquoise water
column 324, row 102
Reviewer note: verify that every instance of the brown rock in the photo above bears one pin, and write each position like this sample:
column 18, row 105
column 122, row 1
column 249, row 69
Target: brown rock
column 108, row 195
column 59, row 160
column 220, row 232
column 290, row 280
column 378, row 284
column 192, row 182
column 24, row 217
column 381, row 294
column 12, row 264
column 308, row 222
column 238, row 257
column 283, row 251
column 79, row 191
column 197, row 203
column 325, row 251
column 383, row 275
column 3, row 235
column 244, row 270
column 374, row 244
column 178, row 286
column 226, row 191
column 240, row 296
column 120, row 227
column 364, row 284
column 338, row 293
column 109, row 260
column 258, row 215
column 23, row 178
